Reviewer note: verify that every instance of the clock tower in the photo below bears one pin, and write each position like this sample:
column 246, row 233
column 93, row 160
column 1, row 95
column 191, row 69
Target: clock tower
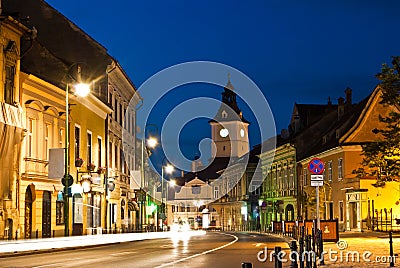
column 229, row 129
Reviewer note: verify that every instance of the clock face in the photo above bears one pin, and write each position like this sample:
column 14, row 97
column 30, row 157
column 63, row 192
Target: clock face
column 223, row 132
column 242, row 132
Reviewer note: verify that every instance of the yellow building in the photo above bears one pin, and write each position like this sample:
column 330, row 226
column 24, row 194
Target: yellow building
column 40, row 190
column 11, row 126
column 344, row 196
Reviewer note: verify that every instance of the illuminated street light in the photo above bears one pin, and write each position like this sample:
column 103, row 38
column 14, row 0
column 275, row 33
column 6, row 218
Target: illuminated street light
column 168, row 169
column 151, row 143
column 81, row 90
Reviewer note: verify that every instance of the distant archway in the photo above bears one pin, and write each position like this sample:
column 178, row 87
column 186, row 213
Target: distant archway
column 289, row 212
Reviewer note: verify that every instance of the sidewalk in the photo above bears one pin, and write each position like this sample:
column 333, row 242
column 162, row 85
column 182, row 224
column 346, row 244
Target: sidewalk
column 359, row 249
column 29, row 246
column 362, row 249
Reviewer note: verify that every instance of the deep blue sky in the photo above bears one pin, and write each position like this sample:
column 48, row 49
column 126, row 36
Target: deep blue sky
column 295, row 51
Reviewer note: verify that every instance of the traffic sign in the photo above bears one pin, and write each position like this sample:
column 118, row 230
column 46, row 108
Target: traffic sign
column 317, row 183
column 316, row 166
column 317, row 180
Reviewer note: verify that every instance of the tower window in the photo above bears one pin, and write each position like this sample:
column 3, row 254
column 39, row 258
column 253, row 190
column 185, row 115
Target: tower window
column 224, row 114
column 223, row 148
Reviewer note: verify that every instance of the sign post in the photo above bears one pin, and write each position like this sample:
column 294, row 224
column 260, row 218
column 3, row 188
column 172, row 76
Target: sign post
column 317, row 167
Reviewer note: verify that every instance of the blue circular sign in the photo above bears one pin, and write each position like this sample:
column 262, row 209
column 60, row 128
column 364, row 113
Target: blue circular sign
column 316, row 166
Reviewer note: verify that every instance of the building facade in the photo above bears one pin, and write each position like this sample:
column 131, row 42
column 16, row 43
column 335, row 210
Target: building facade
column 279, row 195
column 11, row 124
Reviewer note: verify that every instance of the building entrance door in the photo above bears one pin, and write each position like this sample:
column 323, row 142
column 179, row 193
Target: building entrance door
column 28, row 213
column 46, row 214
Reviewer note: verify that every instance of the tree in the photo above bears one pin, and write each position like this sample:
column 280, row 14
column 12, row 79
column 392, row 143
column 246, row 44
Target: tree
column 382, row 157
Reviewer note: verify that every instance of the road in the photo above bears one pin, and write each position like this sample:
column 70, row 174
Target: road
column 215, row 249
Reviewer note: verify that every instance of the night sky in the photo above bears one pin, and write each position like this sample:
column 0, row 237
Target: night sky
column 295, row 51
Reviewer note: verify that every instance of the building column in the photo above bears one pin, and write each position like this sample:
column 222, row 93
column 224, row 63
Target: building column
column 347, row 216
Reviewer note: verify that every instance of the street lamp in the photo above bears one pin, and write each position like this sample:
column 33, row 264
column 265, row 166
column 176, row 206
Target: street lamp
column 168, row 169
column 151, row 143
column 81, row 90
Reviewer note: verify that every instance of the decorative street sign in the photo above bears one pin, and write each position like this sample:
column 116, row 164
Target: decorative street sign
column 316, row 166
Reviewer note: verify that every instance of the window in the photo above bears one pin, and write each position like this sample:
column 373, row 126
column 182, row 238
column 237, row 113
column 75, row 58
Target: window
column 109, row 98
column 61, row 141
column 341, row 211
column 30, row 137
column 305, row 177
column 337, row 133
column 292, row 183
column 99, row 152
column 216, row 192
column 224, row 114
column 120, row 114
column 121, row 161
column 122, row 209
column 47, row 140
column 9, row 84
column 89, row 212
column 77, row 141
column 116, row 157
column 110, row 153
column 279, row 179
column 340, row 168
column 89, row 147
column 330, row 171
column 127, row 125
column 115, row 109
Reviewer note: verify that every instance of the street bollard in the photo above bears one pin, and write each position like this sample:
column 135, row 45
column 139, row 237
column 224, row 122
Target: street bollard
column 16, row 235
column 301, row 250
column 391, row 249
column 247, row 265
column 293, row 254
column 277, row 256
column 37, row 233
column 321, row 248
column 308, row 251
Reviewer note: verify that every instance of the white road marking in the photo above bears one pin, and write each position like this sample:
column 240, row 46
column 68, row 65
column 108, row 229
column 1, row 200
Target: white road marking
column 200, row 254
column 49, row 265
column 123, row 253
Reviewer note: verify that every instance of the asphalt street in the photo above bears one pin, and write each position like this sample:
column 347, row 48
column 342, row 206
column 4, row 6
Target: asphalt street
column 215, row 249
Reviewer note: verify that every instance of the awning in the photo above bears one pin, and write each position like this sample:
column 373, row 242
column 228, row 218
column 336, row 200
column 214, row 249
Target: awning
column 133, row 206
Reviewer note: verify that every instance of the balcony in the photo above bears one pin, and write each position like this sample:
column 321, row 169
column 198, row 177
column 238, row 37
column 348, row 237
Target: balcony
column 35, row 168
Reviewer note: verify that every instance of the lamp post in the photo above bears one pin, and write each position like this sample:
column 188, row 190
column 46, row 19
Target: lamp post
column 169, row 169
column 151, row 142
column 81, row 90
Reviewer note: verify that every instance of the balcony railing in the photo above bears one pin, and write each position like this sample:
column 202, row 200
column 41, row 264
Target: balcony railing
column 35, row 167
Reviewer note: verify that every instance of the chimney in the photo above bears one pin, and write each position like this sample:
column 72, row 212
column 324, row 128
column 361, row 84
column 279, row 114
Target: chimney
column 348, row 92
column 182, row 173
column 340, row 107
column 329, row 105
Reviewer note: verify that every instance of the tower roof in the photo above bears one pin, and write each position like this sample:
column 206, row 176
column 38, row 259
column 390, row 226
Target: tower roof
column 229, row 100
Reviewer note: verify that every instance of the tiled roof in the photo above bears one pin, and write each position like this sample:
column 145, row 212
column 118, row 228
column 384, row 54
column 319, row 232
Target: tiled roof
column 322, row 134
